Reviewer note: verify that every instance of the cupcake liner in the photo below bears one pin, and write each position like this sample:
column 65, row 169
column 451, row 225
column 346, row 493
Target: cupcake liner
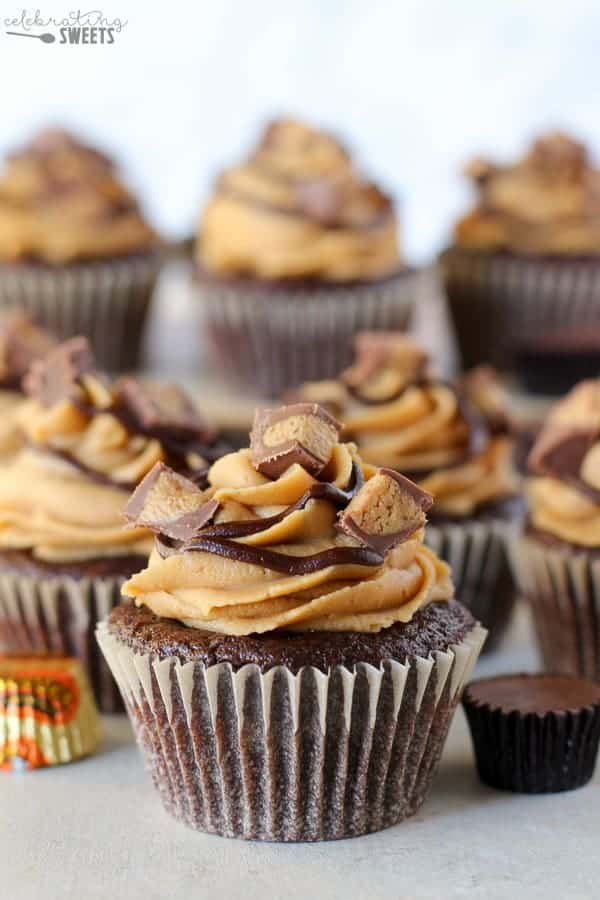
column 563, row 591
column 498, row 299
column 59, row 615
column 47, row 714
column 107, row 301
column 276, row 337
column 280, row 757
column 534, row 753
column 477, row 552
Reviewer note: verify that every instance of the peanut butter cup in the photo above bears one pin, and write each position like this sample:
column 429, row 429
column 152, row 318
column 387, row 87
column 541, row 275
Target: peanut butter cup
column 534, row 734
column 290, row 607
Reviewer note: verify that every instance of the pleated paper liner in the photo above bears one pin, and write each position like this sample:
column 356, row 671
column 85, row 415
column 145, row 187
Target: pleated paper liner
column 533, row 753
column 108, row 301
column 478, row 556
column 283, row 757
column 563, row 591
column 273, row 337
column 497, row 299
column 47, row 713
column 59, row 615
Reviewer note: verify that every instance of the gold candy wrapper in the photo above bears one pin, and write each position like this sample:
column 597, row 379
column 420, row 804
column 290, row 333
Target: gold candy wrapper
column 47, row 712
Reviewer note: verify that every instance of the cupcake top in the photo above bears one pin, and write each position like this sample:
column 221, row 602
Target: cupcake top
column 564, row 487
column 296, row 533
column 61, row 201
column 546, row 203
column 88, row 444
column 403, row 417
column 297, row 209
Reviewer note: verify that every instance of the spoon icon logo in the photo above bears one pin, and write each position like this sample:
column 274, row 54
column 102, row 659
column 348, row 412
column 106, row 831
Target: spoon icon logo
column 45, row 38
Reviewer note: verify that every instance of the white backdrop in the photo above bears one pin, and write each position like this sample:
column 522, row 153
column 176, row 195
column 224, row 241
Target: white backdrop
column 416, row 87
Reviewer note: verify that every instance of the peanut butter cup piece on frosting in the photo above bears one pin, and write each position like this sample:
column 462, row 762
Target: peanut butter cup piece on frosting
column 21, row 343
column 303, row 433
column 58, row 376
column 385, row 363
column 169, row 504
column 159, row 408
column 387, row 510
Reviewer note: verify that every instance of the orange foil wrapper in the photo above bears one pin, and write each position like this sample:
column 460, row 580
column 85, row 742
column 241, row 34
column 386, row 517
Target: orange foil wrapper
column 47, row 712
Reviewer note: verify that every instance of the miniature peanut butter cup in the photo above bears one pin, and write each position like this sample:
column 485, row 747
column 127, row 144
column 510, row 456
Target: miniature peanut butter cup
column 303, row 434
column 534, row 734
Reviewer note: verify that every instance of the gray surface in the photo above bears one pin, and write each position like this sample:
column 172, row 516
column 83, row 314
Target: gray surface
column 96, row 829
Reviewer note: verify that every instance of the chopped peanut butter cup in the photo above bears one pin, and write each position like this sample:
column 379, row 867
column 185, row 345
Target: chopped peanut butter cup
column 58, row 376
column 385, row 364
column 155, row 408
column 21, row 343
column 387, row 510
column 303, row 433
column 169, row 504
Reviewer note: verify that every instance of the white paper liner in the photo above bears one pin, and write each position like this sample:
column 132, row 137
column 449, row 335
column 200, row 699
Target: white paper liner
column 105, row 300
column 60, row 615
column 477, row 552
column 276, row 338
column 497, row 299
column 563, row 590
column 283, row 757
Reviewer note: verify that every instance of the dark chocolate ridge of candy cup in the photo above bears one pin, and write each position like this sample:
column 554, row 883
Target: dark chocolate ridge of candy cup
column 434, row 627
column 533, row 753
column 300, row 284
column 552, row 542
column 23, row 562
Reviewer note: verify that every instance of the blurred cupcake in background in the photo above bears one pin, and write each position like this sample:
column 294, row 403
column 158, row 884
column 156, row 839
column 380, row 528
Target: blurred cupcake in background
column 557, row 557
column 75, row 250
column 21, row 343
column 65, row 548
column 402, row 417
column 296, row 253
column 525, row 260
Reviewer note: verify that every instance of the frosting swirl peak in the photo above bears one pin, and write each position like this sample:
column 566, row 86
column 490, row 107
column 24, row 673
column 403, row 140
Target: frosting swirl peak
column 298, row 209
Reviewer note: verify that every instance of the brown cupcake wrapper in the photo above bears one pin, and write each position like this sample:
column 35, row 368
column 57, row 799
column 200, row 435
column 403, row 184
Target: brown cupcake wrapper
column 280, row 757
column 534, row 753
column 47, row 713
column 107, row 301
column 563, row 591
column 497, row 299
column 478, row 555
column 278, row 337
column 59, row 615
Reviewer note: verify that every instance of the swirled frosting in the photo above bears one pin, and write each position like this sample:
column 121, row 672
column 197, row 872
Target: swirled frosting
column 87, row 445
column 547, row 202
column 298, row 209
column 335, row 546
column 402, row 417
column 564, row 490
column 61, row 201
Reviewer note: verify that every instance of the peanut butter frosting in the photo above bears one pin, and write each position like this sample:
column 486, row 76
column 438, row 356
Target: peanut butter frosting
column 322, row 542
column 61, row 201
column 403, row 418
column 88, row 443
column 564, row 490
column 298, row 209
column 547, row 202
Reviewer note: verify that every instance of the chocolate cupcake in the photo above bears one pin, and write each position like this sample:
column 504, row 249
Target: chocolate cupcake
column 21, row 342
column 526, row 259
column 556, row 558
column 65, row 548
column 402, row 417
column 534, row 734
column 75, row 251
column 293, row 656
column 296, row 253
